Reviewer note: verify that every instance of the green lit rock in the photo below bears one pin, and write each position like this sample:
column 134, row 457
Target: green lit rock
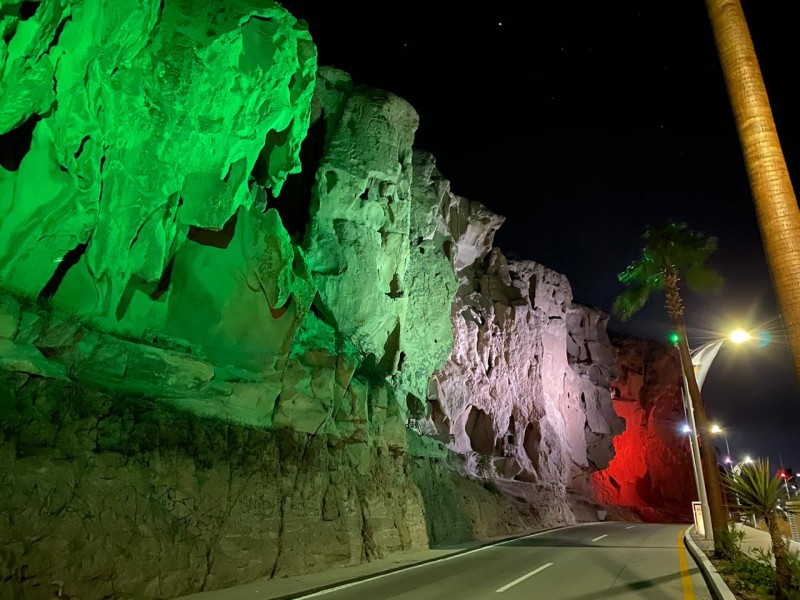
column 427, row 337
column 378, row 244
column 151, row 119
column 246, row 294
column 359, row 248
column 9, row 317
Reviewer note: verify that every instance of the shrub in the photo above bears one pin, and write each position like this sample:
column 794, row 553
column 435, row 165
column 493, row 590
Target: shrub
column 731, row 541
column 752, row 573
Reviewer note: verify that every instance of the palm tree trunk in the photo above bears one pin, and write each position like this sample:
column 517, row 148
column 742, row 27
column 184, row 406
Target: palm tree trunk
column 773, row 195
column 716, row 506
column 784, row 575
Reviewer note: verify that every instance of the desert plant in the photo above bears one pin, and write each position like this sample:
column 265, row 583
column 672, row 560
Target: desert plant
column 760, row 492
column 731, row 539
column 483, row 466
column 751, row 573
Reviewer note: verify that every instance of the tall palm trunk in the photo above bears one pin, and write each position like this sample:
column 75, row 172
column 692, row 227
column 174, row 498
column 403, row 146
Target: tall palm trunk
column 716, row 506
column 774, row 198
column 784, row 575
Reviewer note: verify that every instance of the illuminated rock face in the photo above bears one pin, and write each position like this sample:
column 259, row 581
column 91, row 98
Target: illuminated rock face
column 525, row 393
column 652, row 470
column 131, row 132
column 195, row 334
column 378, row 259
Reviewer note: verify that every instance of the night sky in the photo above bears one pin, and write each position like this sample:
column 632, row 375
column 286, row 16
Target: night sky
column 584, row 122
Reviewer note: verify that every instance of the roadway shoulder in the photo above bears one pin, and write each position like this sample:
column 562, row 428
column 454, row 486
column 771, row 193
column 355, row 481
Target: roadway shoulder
column 718, row 587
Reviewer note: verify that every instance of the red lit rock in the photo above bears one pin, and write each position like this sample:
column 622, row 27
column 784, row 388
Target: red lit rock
column 652, row 470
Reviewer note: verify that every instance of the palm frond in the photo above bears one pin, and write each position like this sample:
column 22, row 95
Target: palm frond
column 673, row 248
column 631, row 300
column 701, row 278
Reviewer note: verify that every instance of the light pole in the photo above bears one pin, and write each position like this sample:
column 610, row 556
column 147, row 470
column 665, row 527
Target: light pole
column 715, row 429
column 738, row 470
column 702, row 358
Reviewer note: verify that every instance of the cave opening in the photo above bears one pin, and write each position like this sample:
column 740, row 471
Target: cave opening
column 480, row 430
column 294, row 202
column 70, row 259
column 439, row 419
column 15, row 144
column 531, row 442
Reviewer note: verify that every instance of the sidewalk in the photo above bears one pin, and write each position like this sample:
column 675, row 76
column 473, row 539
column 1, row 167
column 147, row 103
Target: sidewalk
column 753, row 538
column 291, row 587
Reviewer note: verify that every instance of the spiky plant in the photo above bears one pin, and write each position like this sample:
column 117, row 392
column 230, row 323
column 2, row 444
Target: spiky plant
column 759, row 493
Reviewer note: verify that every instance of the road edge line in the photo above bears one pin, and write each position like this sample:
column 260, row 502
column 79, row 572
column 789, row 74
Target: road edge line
column 392, row 571
column 719, row 589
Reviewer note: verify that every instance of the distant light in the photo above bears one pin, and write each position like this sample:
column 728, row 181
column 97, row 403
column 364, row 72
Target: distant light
column 674, row 338
column 783, row 475
column 739, row 336
column 686, row 428
column 747, row 460
column 728, row 459
column 716, row 429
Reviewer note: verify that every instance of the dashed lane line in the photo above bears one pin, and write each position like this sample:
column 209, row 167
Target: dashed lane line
column 523, row 578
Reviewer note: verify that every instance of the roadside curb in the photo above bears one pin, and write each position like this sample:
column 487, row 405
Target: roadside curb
column 718, row 587
column 498, row 542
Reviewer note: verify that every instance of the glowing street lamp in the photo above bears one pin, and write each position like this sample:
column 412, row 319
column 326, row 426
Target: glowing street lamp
column 739, row 336
column 716, row 429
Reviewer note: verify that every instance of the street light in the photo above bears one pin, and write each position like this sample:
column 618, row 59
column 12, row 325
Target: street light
column 739, row 336
column 702, row 358
column 716, row 429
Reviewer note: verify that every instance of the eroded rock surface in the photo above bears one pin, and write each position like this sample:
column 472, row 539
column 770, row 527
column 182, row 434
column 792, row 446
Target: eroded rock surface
column 525, row 393
column 149, row 121
column 126, row 498
column 652, row 470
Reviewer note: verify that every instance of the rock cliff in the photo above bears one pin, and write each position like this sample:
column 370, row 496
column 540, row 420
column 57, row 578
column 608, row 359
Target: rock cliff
column 652, row 470
column 525, row 394
column 216, row 366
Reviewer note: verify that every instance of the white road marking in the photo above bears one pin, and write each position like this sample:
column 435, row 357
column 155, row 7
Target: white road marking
column 631, row 527
column 600, row 538
column 345, row 586
column 523, row 578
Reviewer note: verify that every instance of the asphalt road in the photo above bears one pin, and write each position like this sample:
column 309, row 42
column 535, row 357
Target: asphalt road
column 619, row 561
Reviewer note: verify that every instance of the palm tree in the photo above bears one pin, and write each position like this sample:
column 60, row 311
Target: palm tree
column 773, row 195
column 671, row 253
column 760, row 493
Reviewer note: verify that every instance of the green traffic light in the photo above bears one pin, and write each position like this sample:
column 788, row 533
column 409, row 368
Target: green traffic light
column 674, row 337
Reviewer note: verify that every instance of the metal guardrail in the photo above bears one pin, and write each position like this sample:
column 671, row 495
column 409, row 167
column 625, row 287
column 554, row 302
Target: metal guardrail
column 793, row 508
